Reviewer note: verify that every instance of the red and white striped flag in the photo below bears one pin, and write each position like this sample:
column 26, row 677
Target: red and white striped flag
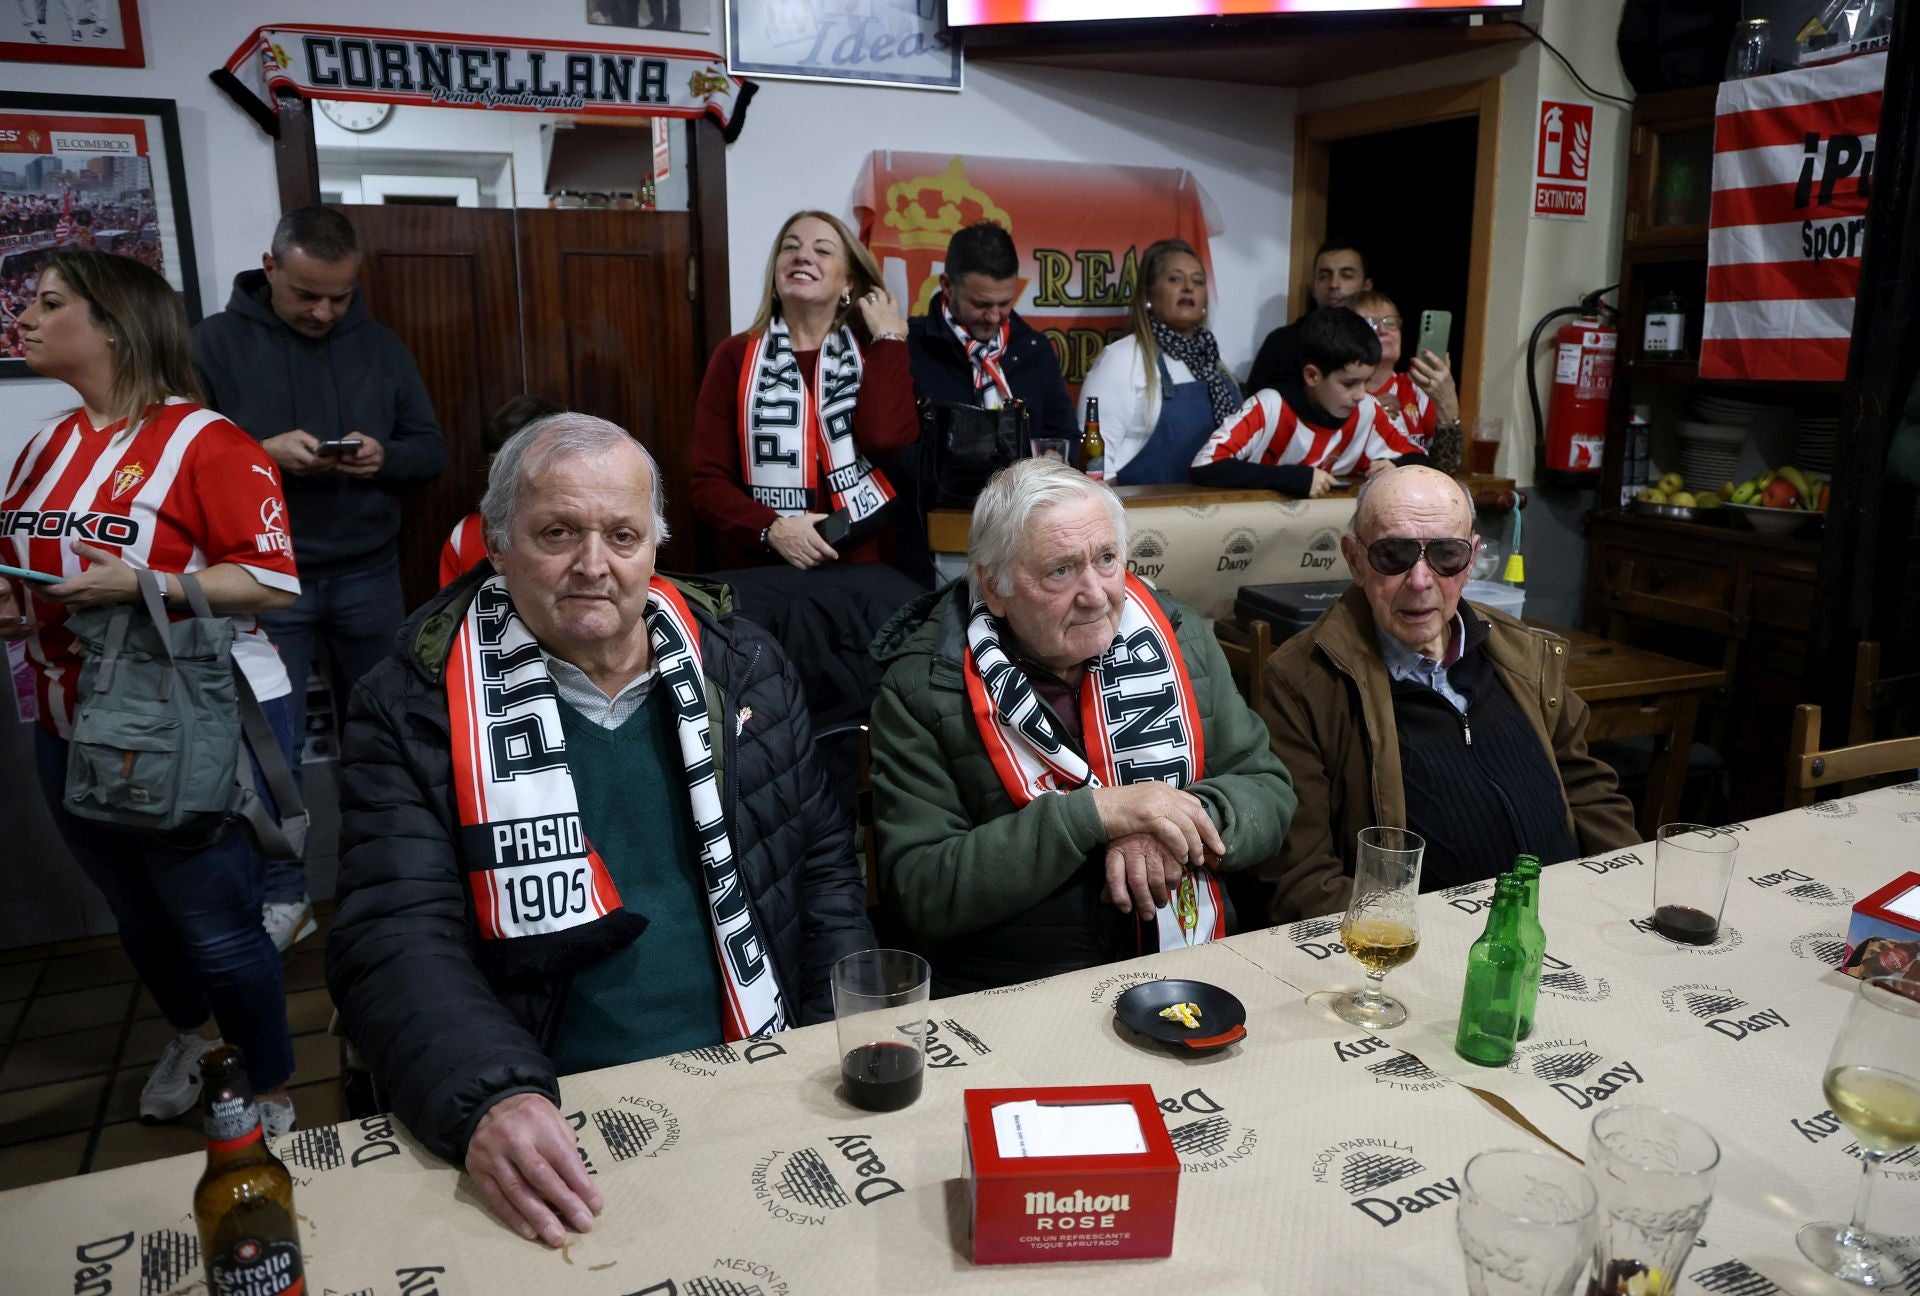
column 1792, row 170
column 63, row 232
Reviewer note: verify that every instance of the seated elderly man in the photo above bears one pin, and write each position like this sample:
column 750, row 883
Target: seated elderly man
column 1405, row 706
column 582, row 825
column 1061, row 763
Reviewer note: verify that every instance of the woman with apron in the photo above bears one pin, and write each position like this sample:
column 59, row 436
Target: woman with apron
column 1162, row 389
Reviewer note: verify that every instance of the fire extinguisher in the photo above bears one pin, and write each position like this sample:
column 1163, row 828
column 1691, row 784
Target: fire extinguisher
column 1568, row 446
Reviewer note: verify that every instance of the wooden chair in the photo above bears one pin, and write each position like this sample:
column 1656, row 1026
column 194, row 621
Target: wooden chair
column 1810, row 768
column 1627, row 605
column 1875, row 696
column 1247, row 649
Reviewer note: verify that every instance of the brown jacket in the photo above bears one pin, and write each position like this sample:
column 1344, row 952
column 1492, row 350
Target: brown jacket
column 1327, row 701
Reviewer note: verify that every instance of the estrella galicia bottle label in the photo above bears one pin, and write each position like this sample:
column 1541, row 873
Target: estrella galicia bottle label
column 257, row 1268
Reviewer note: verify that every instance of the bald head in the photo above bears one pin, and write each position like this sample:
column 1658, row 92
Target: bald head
column 1415, row 606
column 1429, row 487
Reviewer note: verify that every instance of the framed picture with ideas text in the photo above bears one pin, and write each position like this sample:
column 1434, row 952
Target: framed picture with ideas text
column 863, row 42
column 82, row 171
column 105, row 33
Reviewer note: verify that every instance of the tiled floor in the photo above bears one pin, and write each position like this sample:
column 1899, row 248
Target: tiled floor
column 79, row 1034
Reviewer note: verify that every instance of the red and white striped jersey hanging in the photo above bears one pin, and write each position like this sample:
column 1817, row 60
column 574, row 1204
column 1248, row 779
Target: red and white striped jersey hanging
column 1792, row 171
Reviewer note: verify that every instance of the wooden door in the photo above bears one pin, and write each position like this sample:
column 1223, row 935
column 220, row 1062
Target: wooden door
column 609, row 316
column 443, row 278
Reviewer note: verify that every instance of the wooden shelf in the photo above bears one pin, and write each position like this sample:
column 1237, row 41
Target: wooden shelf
column 1641, row 252
column 1680, row 534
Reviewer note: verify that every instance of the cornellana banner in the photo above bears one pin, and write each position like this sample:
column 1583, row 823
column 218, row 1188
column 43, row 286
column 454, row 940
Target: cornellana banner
column 1080, row 228
column 439, row 69
column 1792, row 170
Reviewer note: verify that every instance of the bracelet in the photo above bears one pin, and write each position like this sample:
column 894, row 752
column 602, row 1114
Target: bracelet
column 765, row 533
column 889, row 337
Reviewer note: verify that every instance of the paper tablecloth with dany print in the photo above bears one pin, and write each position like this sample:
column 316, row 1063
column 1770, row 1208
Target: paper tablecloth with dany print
column 1308, row 1148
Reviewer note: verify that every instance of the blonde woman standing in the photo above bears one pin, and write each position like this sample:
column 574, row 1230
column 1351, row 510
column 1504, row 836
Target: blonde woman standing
column 1162, row 389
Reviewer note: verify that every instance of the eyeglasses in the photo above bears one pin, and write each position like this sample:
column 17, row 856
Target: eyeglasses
column 1385, row 324
column 1447, row 556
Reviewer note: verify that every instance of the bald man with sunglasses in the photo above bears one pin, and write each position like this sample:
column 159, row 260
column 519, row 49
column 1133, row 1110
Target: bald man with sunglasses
column 1405, row 705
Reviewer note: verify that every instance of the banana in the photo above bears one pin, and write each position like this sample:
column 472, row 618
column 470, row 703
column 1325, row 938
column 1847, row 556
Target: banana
column 1800, row 485
column 1765, row 479
column 1744, row 493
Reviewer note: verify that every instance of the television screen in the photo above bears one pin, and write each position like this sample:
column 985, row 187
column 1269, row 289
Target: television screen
column 981, row 13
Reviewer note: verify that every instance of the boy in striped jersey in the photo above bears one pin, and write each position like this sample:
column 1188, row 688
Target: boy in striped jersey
column 1316, row 427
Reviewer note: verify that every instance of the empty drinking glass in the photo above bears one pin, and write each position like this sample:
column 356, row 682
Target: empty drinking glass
column 1526, row 1223
column 1653, row 1171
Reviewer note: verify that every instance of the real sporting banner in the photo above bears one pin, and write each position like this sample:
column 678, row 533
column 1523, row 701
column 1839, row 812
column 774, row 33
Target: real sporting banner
column 443, row 70
column 1080, row 228
column 1792, row 170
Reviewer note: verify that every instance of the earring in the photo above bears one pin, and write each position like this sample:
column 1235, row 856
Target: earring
column 846, row 297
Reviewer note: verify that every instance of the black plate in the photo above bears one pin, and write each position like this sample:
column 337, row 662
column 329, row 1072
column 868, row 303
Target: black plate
column 1223, row 1018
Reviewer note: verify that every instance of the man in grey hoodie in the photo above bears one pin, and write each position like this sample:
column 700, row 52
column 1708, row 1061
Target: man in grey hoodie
column 337, row 403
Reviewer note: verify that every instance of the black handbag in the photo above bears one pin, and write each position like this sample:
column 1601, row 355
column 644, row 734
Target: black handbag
column 961, row 446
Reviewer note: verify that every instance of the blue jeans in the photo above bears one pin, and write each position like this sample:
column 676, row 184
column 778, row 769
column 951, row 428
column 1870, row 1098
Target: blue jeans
column 190, row 920
column 356, row 614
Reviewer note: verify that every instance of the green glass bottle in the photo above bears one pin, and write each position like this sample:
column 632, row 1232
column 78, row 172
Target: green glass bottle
column 1533, row 938
column 1496, row 966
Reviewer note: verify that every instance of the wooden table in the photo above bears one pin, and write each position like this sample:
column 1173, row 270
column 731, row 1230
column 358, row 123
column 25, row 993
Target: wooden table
column 1631, row 692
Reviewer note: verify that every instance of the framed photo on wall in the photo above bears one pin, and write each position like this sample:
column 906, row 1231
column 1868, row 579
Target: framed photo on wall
column 862, row 42
column 653, row 15
column 82, row 171
column 105, row 33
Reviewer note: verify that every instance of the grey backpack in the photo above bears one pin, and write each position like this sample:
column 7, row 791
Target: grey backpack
column 157, row 733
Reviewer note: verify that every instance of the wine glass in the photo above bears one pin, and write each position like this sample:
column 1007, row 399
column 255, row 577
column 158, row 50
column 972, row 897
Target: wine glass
column 1382, row 926
column 1873, row 1086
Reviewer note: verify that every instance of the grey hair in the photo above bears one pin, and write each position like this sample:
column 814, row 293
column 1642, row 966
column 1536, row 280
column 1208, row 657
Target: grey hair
column 1010, row 500
column 529, row 451
column 1360, row 500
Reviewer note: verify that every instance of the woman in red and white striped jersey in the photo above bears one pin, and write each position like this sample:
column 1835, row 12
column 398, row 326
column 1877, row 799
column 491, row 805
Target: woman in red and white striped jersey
column 140, row 475
column 1420, row 409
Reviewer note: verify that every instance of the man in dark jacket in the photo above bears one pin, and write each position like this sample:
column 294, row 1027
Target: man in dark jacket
column 581, row 824
column 972, row 348
column 1339, row 272
column 336, row 401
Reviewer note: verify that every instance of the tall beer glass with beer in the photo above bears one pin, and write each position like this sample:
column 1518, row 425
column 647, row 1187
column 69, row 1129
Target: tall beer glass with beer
column 243, row 1204
column 1382, row 926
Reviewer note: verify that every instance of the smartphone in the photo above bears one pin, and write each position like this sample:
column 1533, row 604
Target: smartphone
column 1436, row 330
column 27, row 574
column 348, row 446
column 834, row 526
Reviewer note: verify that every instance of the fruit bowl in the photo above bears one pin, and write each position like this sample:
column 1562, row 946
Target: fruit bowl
column 1774, row 521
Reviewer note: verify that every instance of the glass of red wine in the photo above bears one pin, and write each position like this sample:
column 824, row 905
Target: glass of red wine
column 1692, row 865
column 880, row 1010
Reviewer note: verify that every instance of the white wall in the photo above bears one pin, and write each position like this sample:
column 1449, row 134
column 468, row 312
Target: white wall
column 802, row 145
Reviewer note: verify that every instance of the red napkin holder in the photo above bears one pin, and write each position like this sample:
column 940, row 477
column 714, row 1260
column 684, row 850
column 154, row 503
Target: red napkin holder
column 1028, row 1209
column 1881, row 942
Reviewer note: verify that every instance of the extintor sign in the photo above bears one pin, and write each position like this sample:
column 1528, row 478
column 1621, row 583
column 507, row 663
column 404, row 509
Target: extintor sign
column 1562, row 156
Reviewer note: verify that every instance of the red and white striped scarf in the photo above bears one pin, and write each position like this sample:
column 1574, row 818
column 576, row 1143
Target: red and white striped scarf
column 542, row 896
column 1140, row 723
column 985, row 356
column 791, row 439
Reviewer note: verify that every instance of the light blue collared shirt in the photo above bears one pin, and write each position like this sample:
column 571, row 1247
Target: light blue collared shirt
column 583, row 695
column 1404, row 663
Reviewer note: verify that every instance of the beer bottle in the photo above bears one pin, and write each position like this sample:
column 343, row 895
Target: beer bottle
column 243, row 1205
column 1496, row 965
column 1093, row 448
column 1533, row 939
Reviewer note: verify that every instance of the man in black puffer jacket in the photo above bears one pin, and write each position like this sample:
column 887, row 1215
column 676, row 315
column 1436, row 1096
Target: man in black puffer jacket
column 542, row 788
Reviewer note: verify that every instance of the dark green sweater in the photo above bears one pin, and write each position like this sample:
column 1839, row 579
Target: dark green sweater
column 660, row 994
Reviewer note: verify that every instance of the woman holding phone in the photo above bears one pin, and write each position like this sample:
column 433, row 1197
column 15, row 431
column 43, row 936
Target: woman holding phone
column 793, row 411
column 141, row 475
column 1420, row 408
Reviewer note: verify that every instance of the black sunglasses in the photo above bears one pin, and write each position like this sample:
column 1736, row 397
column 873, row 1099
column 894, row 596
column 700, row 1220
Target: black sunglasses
column 1447, row 556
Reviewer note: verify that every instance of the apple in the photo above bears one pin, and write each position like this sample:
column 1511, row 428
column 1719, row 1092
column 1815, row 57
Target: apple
column 1780, row 493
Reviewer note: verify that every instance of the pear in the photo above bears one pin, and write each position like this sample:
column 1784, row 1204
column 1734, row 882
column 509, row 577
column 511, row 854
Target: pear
column 1672, row 482
column 1682, row 499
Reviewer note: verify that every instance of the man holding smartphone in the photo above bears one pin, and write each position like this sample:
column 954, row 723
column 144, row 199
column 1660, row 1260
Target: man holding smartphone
column 337, row 403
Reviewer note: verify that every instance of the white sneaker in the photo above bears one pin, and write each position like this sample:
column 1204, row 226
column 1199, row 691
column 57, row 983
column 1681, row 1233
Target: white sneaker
column 174, row 1085
column 288, row 922
column 276, row 1118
